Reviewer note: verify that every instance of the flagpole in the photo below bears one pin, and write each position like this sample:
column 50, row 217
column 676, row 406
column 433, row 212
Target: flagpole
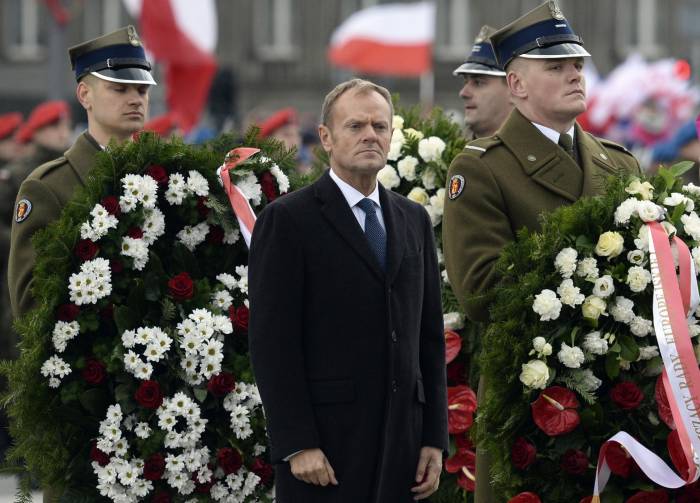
column 427, row 89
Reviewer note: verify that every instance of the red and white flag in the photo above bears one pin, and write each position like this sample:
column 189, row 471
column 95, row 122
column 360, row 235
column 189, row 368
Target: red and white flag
column 182, row 35
column 387, row 39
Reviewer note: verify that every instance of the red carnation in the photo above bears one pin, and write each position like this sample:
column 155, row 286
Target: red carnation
column 618, row 460
column 658, row 496
column 525, row 498
column 221, row 384
column 461, row 404
column 67, row 312
column 149, row 395
column 554, row 411
column 97, row 455
column 94, row 371
column 135, row 233
column 215, row 235
column 662, row 404
column 574, row 462
column 116, row 266
column 229, row 459
column 239, row 317
column 522, row 454
column 456, row 373
column 464, row 464
column 262, row 470
column 161, row 497
column 158, row 173
column 675, row 450
column 202, row 208
column 269, row 186
column 154, row 467
column 111, row 204
column 627, row 395
column 86, row 249
column 453, row 345
column 181, row 287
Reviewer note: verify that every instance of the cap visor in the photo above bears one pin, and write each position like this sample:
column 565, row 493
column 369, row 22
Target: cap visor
column 558, row 51
column 126, row 76
column 471, row 68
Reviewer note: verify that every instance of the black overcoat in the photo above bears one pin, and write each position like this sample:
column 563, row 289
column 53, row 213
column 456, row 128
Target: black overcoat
column 347, row 358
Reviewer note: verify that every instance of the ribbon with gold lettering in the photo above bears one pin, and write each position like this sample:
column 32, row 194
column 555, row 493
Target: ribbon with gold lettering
column 239, row 202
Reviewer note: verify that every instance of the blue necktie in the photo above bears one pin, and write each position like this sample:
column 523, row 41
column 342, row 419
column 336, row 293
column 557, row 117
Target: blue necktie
column 376, row 237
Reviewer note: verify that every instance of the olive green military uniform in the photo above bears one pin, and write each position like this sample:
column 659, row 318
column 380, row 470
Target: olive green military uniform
column 501, row 184
column 41, row 198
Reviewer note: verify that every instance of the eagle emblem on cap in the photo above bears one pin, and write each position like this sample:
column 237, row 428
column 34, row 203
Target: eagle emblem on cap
column 483, row 35
column 133, row 36
column 555, row 10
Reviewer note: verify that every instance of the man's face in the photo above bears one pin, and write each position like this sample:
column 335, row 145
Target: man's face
column 486, row 103
column 116, row 108
column 555, row 88
column 289, row 135
column 357, row 138
column 55, row 136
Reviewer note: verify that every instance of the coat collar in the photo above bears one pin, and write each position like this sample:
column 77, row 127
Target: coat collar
column 595, row 161
column 81, row 156
column 335, row 209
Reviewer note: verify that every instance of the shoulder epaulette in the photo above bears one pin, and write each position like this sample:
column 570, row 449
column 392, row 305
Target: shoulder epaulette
column 480, row 146
column 48, row 167
column 614, row 145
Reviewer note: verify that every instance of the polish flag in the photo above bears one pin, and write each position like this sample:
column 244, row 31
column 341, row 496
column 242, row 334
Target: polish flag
column 388, row 39
column 181, row 35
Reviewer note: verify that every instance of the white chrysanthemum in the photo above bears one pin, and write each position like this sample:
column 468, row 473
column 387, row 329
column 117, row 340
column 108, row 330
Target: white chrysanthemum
column 197, row 184
column 638, row 278
column 588, row 269
column 595, row 344
column 137, row 249
column 247, row 182
column 570, row 356
column 228, row 280
column 191, row 236
column 692, row 189
column 641, row 327
column 541, row 346
column 153, row 225
column 642, row 240
column 431, row 148
column 92, row 283
column 388, row 177
column 453, row 320
column 148, row 192
column 231, row 236
column 565, row 262
column 603, row 286
column 648, row 352
column 222, row 300
column 691, row 224
column 547, row 305
column 177, row 189
column 587, row 380
column 626, row 210
column 281, row 178
column 56, row 369
column 396, row 145
column 407, row 168
column 569, row 294
column 63, row 332
column 621, row 309
column 428, row 179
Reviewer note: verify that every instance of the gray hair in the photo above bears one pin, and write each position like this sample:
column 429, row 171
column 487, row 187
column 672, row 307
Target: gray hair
column 360, row 86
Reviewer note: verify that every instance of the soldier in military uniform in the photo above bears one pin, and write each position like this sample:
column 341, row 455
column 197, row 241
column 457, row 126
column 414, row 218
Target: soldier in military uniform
column 113, row 84
column 539, row 160
column 485, row 92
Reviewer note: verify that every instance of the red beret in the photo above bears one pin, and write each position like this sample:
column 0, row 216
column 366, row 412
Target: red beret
column 9, row 123
column 44, row 114
column 161, row 125
column 278, row 120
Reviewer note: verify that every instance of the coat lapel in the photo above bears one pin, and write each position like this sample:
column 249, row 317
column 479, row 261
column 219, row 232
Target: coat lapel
column 596, row 163
column 395, row 223
column 541, row 159
column 81, row 156
column 336, row 211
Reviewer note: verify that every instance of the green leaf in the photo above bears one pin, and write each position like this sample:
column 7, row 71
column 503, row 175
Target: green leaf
column 629, row 350
column 152, row 290
column 95, row 401
column 612, row 366
column 681, row 168
column 124, row 318
column 200, row 394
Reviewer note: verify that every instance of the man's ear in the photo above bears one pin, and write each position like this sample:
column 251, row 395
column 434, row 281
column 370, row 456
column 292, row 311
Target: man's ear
column 84, row 94
column 516, row 84
column 324, row 133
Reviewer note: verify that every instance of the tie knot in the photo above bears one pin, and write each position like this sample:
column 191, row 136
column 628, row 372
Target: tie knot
column 566, row 142
column 367, row 205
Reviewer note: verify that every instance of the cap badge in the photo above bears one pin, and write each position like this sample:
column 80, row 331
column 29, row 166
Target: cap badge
column 483, row 35
column 24, row 208
column 555, row 10
column 456, row 186
column 133, row 36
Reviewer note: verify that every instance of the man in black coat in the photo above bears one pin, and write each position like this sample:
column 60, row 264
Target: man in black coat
column 346, row 334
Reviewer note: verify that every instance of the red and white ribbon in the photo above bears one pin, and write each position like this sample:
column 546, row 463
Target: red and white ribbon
column 675, row 299
column 239, row 202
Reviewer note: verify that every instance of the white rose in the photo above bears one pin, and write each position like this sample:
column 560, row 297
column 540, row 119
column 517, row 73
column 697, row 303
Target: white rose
column 640, row 327
column 407, row 167
column 595, row 344
column 621, row 310
column 453, row 320
column 430, row 149
column 603, row 286
column 534, row 374
column 645, row 190
column 649, row 211
column 588, row 269
column 636, row 257
column 397, row 122
column 547, row 305
column 570, row 295
column 419, row 195
column 388, row 177
column 570, row 356
column 610, row 244
column 565, row 262
column 638, row 278
column 691, row 224
column 593, row 307
column 625, row 210
column 642, row 241
column 413, row 133
column 428, row 179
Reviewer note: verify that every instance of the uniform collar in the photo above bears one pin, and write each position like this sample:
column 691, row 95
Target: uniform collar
column 81, row 155
column 553, row 134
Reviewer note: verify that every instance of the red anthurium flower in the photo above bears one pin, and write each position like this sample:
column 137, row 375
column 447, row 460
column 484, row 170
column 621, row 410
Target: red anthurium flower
column 453, row 345
column 675, row 450
column 662, row 404
column 554, row 412
column 525, row 498
column 658, row 496
column 461, row 404
column 463, row 463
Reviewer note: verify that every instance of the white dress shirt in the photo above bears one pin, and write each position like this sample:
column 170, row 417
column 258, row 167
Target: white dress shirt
column 553, row 134
column 354, row 196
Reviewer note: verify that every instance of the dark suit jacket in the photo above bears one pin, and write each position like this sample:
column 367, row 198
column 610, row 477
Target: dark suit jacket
column 347, row 358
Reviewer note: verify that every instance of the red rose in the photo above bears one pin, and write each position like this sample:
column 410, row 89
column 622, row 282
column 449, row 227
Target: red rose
column 202, row 488
column 94, row 371
column 116, row 266
column 161, row 497
column 111, row 204
column 461, row 404
column 97, row 455
column 269, row 186
column 202, row 208
column 262, row 470
column 627, row 395
column 618, row 460
column 675, row 450
column 229, row 459
column 67, row 312
column 554, row 411
column 86, row 249
column 149, row 395
column 135, row 233
column 456, row 373
column 158, row 173
column 453, row 345
column 181, row 287
column 215, row 235
column 522, row 454
column 574, row 462
column 239, row 317
column 658, row 496
column 662, row 404
column 154, row 467
column 525, row 498
column 221, row 384
column 107, row 312
column 689, row 494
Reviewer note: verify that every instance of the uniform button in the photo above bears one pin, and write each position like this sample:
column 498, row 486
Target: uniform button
column 394, row 338
column 394, row 386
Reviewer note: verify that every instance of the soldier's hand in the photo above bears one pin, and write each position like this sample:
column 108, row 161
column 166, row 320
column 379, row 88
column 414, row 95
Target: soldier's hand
column 428, row 472
column 312, row 466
